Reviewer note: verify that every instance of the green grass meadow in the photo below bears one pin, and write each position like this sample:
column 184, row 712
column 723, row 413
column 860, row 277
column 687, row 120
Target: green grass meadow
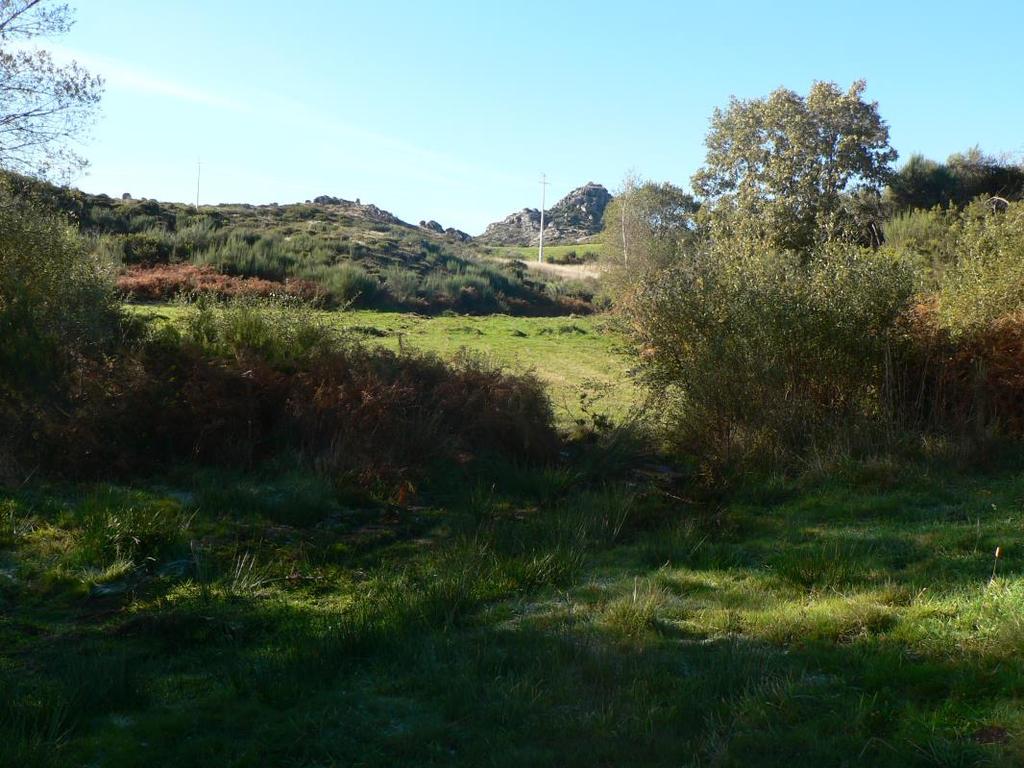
column 572, row 355
column 529, row 619
column 601, row 611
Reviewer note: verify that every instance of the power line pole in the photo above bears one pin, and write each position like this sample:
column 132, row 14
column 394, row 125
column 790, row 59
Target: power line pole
column 543, row 195
column 199, row 176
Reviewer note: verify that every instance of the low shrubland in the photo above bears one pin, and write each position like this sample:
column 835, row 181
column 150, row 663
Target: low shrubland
column 985, row 281
column 243, row 382
column 56, row 300
column 773, row 357
column 339, row 255
column 87, row 391
column 170, row 281
column 417, row 276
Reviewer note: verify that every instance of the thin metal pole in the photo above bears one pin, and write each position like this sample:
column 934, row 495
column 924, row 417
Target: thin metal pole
column 199, row 176
column 543, row 194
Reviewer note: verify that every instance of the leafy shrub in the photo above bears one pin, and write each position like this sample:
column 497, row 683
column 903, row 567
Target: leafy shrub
column 56, row 299
column 242, row 382
column 987, row 282
column 924, row 238
column 770, row 353
column 344, row 283
column 150, row 247
column 402, row 284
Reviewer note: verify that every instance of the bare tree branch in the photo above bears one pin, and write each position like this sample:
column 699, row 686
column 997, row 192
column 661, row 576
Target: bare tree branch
column 44, row 106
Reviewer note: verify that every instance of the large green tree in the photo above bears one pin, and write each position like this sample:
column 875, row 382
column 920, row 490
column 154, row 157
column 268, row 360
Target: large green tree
column 780, row 169
column 44, row 105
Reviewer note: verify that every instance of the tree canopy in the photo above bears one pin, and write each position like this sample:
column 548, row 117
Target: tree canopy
column 965, row 176
column 779, row 168
column 646, row 226
column 44, row 105
column 647, row 216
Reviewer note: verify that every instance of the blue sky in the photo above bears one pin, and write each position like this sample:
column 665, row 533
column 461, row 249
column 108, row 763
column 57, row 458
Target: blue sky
column 451, row 110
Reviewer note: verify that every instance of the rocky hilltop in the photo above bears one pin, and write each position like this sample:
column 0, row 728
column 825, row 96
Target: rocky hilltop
column 451, row 232
column 573, row 218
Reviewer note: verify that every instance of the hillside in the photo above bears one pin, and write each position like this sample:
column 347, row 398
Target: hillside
column 335, row 251
column 573, row 219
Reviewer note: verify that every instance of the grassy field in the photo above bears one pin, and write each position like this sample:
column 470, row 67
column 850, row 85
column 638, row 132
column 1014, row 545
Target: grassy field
column 522, row 618
column 606, row 610
column 572, row 355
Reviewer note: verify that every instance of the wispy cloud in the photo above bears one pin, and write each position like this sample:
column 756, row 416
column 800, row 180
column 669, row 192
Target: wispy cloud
column 125, row 76
column 368, row 146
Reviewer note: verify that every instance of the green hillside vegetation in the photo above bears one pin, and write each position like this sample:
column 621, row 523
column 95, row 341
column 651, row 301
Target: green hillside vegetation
column 337, row 254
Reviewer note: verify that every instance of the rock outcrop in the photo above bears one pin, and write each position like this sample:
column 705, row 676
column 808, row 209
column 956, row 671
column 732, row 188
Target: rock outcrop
column 450, row 232
column 521, row 228
column 575, row 217
column 367, row 211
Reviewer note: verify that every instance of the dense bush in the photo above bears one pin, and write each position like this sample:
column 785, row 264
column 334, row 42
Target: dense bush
column 966, row 375
column 926, row 240
column 771, row 353
column 987, row 281
column 968, row 385
column 56, row 299
column 276, row 333
column 344, row 283
column 401, row 283
column 782, row 355
column 250, row 254
column 243, row 382
column 151, row 247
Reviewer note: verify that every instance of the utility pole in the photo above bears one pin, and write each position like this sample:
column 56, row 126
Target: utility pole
column 199, row 176
column 543, row 195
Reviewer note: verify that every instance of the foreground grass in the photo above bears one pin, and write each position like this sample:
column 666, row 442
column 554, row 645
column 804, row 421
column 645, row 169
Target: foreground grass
column 512, row 617
column 572, row 355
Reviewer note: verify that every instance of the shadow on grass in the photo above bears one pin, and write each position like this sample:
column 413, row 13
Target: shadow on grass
column 807, row 628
